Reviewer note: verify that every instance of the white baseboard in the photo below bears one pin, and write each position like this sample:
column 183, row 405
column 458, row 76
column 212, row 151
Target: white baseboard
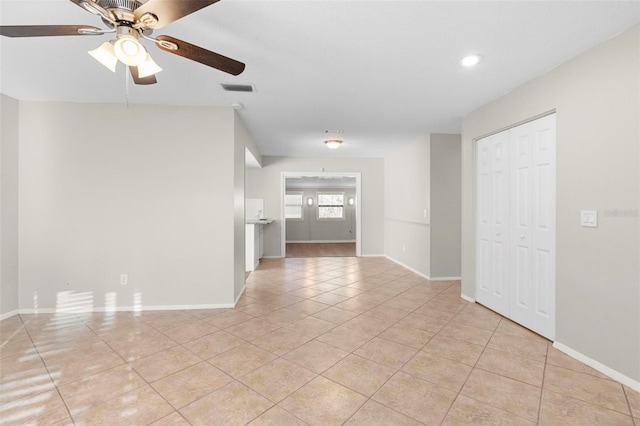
column 408, row 267
column 467, row 298
column 607, row 371
column 9, row 314
column 446, row 278
column 127, row 309
column 239, row 295
column 29, row 311
column 272, row 257
column 321, row 241
column 372, row 255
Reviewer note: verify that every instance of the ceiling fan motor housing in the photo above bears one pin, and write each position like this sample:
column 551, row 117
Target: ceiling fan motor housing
column 120, row 10
column 129, row 5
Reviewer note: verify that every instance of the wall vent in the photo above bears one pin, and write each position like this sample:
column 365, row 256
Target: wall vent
column 237, row 87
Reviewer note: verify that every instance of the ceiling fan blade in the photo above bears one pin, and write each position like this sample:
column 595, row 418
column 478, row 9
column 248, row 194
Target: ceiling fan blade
column 198, row 54
column 48, row 30
column 169, row 11
column 142, row 80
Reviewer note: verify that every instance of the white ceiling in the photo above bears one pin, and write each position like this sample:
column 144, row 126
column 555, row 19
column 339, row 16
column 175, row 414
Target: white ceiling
column 383, row 72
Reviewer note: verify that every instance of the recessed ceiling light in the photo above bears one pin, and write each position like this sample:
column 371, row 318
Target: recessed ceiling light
column 470, row 60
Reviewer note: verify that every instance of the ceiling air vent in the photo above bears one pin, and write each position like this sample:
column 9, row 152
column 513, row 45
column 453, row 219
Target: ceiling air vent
column 237, row 87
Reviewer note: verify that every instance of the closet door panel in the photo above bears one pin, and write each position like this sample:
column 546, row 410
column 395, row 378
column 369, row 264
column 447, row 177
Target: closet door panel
column 544, row 221
column 492, row 212
column 520, row 224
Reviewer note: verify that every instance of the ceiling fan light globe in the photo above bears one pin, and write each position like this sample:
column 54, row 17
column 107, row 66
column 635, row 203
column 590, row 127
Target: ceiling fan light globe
column 129, row 51
column 148, row 67
column 105, row 55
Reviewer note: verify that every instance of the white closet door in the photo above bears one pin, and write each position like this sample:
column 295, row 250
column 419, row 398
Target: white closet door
column 532, row 229
column 516, row 204
column 492, row 160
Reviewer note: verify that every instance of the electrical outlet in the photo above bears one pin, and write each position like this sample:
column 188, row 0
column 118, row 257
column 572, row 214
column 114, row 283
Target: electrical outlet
column 124, row 279
column 404, row 248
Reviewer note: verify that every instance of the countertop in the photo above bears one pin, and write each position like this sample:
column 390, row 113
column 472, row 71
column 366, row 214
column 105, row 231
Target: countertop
column 264, row 221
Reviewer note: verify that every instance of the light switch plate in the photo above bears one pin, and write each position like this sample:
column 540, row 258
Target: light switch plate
column 589, row 218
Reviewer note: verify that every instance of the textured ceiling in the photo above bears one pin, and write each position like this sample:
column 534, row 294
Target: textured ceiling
column 385, row 73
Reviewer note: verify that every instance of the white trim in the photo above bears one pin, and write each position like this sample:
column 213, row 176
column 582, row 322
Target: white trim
column 239, row 295
column 9, row 314
column 467, row 298
column 373, row 255
column 596, row 365
column 408, row 267
column 128, row 309
column 271, row 257
column 321, row 241
column 445, row 278
column 29, row 311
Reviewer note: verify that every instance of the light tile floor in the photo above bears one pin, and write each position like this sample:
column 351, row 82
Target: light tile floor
column 318, row 341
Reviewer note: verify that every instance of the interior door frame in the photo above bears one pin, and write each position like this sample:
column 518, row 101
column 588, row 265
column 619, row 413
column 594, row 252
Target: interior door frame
column 283, row 190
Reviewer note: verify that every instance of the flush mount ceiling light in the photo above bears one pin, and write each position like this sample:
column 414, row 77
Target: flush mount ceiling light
column 333, row 141
column 470, row 60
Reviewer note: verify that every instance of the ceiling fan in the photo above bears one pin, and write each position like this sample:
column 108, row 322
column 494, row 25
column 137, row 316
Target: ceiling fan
column 131, row 20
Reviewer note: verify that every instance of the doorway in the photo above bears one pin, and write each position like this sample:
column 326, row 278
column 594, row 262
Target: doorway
column 321, row 214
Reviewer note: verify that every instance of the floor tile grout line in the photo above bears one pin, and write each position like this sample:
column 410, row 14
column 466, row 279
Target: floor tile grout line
column 147, row 383
column 544, row 376
column 471, row 371
column 66, row 405
column 591, row 402
column 353, row 352
column 399, row 369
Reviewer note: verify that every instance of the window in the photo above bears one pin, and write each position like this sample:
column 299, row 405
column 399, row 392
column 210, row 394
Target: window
column 293, row 205
column 330, row 205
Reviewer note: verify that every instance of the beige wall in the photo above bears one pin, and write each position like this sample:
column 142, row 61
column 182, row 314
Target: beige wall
column 266, row 183
column 310, row 228
column 424, row 175
column 446, row 208
column 8, row 205
column 407, row 186
column 596, row 97
column 144, row 190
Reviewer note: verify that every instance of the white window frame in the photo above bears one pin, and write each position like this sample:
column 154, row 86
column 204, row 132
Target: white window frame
column 319, row 194
column 301, row 205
